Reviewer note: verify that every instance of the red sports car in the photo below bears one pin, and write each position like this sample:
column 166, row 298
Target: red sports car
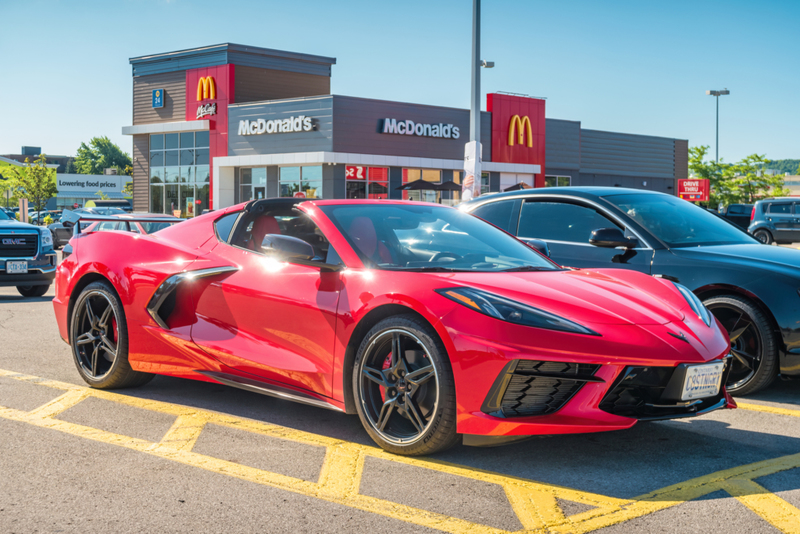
column 430, row 324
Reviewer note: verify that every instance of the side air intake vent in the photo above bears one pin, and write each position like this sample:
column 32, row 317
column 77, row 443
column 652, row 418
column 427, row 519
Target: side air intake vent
column 529, row 387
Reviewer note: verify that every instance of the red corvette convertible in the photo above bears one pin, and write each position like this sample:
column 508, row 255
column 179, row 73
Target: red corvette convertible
column 430, row 324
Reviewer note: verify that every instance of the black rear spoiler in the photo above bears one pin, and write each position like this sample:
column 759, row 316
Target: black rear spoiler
column 70, row 219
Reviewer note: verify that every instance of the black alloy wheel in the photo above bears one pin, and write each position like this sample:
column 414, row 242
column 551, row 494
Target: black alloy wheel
column 753, row 343
column 99, row 339
column 404, row 389
column 763, row 236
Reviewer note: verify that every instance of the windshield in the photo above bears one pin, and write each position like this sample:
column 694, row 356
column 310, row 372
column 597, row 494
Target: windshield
column 430, row 238
column 3, row 216
column 679, row 223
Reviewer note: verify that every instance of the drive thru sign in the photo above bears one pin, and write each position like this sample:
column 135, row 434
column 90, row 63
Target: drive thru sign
column 694, row 190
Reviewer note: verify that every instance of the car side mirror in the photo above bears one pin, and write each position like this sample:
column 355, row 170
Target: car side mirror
column 538, row 245
column 612, row 238
column 287, row 248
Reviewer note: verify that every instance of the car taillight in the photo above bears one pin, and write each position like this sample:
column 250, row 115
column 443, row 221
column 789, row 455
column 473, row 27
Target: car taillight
column 753, row 214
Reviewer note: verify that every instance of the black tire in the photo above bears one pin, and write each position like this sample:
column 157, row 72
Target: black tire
column 754, row 343
column 764, row 236
column 32, row 291
column 421, row 414
column 102, row 361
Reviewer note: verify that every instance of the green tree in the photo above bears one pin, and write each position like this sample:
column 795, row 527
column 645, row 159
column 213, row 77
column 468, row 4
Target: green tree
column 718, row 174
column 37, row 183
column 753, row 184
column 102, row 195
column 127, row 191
column 101, row 154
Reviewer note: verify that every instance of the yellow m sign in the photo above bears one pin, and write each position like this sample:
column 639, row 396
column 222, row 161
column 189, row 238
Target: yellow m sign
column 206, row 88
column 520, row 127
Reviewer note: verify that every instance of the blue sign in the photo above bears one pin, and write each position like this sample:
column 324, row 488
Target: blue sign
column 158, row 98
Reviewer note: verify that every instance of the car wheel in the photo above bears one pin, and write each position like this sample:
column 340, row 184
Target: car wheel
column 754, row 343
column 403, row 384
column 763, row 236
column 32, row 291
column 99, row 340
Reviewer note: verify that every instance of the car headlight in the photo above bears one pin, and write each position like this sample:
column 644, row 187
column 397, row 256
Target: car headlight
column 47, row 237
column 696, row 304
column 510, row 311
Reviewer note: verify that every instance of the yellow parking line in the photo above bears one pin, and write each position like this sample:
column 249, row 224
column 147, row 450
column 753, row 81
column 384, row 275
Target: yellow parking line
column 766, row 504
column 767, row 409
column 340, row 476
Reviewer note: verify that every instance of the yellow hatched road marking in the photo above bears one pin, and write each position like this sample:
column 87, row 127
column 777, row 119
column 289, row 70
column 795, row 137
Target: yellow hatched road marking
column 340, row 477
column 768, row 409
column 781, row 514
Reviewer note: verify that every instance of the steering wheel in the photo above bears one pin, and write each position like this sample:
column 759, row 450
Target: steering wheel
column 440, row 255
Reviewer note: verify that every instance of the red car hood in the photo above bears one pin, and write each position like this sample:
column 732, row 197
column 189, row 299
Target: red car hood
column 610, row 296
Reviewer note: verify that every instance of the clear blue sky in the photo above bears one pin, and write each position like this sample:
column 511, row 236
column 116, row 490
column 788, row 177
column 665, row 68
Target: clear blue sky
column 629, row 66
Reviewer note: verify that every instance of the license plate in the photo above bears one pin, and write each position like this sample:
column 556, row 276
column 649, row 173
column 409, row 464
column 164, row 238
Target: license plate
column 16, row 267
column 702, row 381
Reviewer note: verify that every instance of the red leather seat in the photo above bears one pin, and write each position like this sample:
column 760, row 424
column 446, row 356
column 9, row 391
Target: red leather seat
column 266, row 224
column 362, row 231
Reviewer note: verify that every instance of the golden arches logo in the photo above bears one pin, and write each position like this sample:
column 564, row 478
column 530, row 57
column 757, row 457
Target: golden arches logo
column 206, row 88
column 520, row 127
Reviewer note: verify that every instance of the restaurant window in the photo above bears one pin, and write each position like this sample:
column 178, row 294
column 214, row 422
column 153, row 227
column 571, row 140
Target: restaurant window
column 557, row 181
column 428, row 175
column 485, row 187
column 301, row 182
column 252, row 184
column 179, row 173
column 367, row 182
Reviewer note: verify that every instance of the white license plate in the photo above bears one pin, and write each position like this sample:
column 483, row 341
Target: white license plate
column 16, row 267
column 702, row 381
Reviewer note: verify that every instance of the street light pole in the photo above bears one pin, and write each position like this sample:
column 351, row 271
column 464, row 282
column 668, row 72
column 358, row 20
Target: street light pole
column 718, row 94
column 471, row 186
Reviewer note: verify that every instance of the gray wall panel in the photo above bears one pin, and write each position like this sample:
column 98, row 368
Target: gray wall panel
column 627, row 154
column 254, row 84
column 320, row 109
column 395, row 181
column 562, row 145
column 174, row 85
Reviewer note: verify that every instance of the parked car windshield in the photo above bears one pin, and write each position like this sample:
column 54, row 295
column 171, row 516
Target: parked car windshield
column 679, row 223
column 3, row 216
column 430, row 238
column 150, row 227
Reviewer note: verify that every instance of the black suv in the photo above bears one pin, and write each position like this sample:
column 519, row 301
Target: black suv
column 752, row 289
column 776, row 220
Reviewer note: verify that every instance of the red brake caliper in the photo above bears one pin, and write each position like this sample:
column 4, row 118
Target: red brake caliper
column 114, row 328
column 387, row 363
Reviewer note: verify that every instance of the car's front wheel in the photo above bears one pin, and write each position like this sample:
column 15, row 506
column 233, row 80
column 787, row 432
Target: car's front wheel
column 403, row 386
column 99, row 340
column 754, row 343
column 32, row 291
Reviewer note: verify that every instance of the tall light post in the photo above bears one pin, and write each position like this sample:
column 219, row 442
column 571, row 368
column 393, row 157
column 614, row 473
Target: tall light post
column 718, row 94
column 472, row 151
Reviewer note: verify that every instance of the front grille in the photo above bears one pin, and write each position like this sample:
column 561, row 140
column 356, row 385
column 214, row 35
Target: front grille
column 528, row 387
column 650, row 393
column 19, row 245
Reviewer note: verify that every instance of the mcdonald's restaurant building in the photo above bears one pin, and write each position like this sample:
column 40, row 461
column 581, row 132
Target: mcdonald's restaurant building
column 224, row 124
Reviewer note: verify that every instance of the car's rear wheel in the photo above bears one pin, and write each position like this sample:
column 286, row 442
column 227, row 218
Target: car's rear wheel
column 403, row 384
column 99, row 340
column 763, row 236
column 754, row 343
column 32, row 291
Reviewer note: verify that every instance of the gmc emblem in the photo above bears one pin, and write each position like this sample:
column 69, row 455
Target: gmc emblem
column 17, row 241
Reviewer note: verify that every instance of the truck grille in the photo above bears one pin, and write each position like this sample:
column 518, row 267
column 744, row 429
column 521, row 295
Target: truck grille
column 19, row 245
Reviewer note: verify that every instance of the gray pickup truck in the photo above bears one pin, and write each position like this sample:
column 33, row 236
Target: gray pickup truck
column 27, row 258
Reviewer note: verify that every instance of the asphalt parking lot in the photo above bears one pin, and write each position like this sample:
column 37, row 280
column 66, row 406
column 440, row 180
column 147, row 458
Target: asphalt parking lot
column 184, row 456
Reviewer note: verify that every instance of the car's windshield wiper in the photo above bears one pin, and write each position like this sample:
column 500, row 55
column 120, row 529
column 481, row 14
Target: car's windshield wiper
column 432, row 269
column 524, row 268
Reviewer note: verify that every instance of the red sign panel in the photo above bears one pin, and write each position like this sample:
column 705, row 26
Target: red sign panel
column 353, row 172
column 694, row 190
column 518, row 130
column 209, row 90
